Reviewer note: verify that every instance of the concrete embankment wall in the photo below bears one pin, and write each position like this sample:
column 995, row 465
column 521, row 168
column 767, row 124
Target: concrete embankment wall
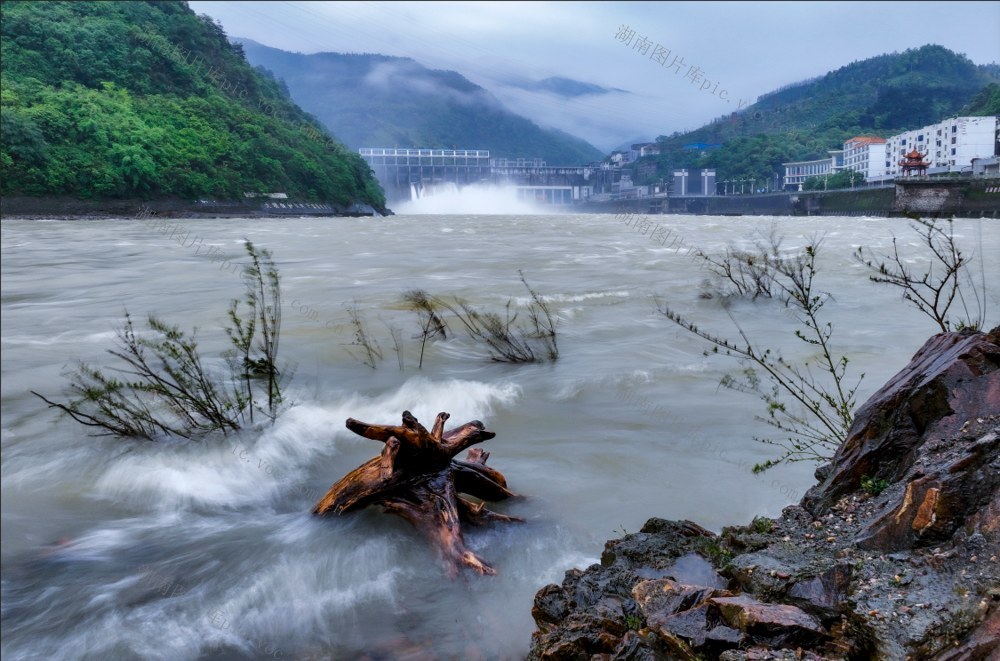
column 977, row 198
column 966, row 198
column 869, row 202
column 773, row 204
column 840, row 203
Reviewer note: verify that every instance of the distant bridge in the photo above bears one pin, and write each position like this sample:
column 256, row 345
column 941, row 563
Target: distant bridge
column 407, row 174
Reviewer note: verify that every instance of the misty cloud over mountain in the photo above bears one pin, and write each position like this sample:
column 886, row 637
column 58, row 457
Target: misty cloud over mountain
column 564, row 87
column 370, row 100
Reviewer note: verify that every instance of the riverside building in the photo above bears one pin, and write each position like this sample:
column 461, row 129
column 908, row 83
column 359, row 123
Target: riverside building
column 866, row 154
column 948, row 146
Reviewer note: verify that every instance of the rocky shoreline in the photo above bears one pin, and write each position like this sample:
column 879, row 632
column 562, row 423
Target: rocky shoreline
column 894, row 554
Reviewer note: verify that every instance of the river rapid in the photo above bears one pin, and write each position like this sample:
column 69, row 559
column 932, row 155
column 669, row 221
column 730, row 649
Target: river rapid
column 125, row 549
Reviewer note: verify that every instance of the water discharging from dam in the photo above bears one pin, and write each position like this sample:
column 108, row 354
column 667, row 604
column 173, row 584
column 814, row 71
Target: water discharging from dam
column 479, row 199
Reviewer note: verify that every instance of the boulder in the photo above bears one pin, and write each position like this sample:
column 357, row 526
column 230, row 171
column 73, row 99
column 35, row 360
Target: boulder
column 953, row 482
column 664, row 597
column 949, row 384
column 696, row 631
column 779, row 625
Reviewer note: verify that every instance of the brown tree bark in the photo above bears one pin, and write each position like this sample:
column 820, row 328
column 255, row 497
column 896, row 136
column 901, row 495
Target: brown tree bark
column 417, row 477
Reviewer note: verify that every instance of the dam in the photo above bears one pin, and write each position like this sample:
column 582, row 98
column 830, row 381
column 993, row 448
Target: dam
column 409, row 174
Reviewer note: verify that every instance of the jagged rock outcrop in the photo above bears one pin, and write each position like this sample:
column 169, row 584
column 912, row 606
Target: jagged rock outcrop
column 894, row 554
column 948, row 385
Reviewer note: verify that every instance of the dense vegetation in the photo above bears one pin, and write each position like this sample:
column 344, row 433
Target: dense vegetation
column 880, row 96
column 137, row 99
column 987, row 102
column 380, row 101
column 842, row 179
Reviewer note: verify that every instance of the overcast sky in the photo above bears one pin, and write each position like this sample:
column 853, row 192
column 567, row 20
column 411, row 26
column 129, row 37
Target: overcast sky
column 744, row 48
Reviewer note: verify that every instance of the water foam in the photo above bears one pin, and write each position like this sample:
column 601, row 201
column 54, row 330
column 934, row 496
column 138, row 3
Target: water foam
column 253, row 467
column 476, row 200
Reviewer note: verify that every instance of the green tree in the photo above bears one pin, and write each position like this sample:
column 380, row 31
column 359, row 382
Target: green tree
column 985, row 103
column 843, row 179
column 123, row 100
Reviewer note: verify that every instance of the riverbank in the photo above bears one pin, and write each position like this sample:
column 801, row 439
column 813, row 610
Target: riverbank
column 894, row 554
column 72, row 208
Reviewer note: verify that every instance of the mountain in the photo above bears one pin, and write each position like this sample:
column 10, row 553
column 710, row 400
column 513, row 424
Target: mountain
column 380, row 101
column 881, row 96
column 563, row 87
column 146, row 99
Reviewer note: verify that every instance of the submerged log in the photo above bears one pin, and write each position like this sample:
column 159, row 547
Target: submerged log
column 417, row 477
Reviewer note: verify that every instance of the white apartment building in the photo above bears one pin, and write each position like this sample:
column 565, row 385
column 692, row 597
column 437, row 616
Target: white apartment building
column 866, row 154
column 797, row 172
column 948, row 146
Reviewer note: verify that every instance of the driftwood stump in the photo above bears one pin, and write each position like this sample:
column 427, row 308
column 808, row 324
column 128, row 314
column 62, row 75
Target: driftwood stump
column 417, row 477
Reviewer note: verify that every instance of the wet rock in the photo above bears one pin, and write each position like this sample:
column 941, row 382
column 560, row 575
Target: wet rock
column 981, row 645
column 664, row 597
column 594, row 585
column 697, row 629
column 610, row 615
column 951, row 380
column 767, row 574
column 679, row 529
column 823, row 595
column 655, row 545
column 778, row 625
column 932, row 506
column 636, row 647
column 690, row 626
column 550, row 606
column 579, row 637
column 563, row 649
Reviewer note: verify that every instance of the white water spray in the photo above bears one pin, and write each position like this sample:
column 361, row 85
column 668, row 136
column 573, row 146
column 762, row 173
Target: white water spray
column 477, row 199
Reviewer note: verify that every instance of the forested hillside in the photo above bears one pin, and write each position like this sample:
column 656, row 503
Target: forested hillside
column 880, row 96
column 146, row 99
column 986, row 102
column 381, row 101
